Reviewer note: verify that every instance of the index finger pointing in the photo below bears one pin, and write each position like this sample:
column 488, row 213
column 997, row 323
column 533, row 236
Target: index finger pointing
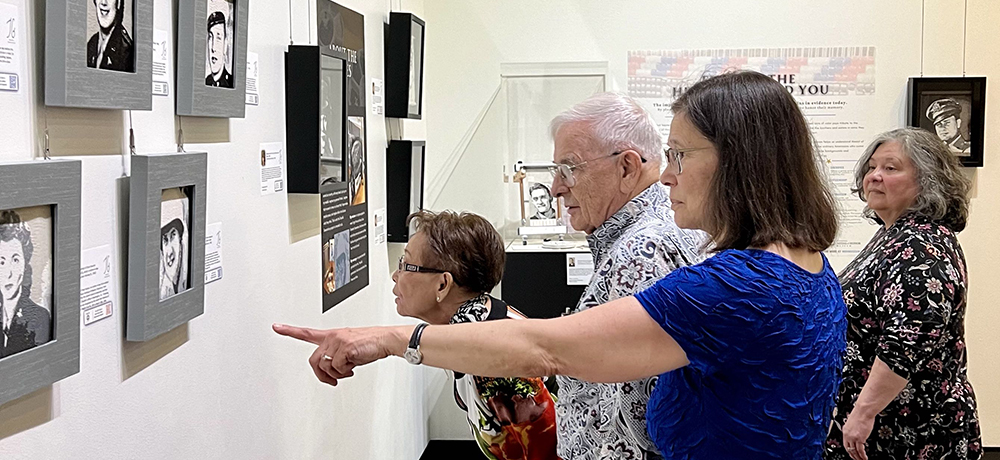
column 306, row 334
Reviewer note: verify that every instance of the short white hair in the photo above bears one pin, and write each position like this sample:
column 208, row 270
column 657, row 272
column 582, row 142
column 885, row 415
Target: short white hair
column 615, row 122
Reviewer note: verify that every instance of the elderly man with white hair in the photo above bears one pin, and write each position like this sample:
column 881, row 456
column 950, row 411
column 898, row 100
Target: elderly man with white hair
column 607, row 156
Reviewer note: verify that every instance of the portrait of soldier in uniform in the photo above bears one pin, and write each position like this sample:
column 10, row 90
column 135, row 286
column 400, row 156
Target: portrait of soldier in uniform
column 110, row 46
column 174, row 246
column 946, row 115
column 219, row 52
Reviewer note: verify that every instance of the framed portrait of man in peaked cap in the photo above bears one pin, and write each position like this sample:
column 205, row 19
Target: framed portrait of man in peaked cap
column 953, row 109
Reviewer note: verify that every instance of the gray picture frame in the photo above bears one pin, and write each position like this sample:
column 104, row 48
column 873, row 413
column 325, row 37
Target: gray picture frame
column 194, row 98
column 55, row 183
column 68, row 80
column 147, row 316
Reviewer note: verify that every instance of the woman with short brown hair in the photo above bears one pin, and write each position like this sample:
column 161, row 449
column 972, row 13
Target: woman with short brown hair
column 447, row 270
column 748, row 343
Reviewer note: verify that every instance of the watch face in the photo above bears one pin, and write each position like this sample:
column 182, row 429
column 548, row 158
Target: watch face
column 413, row 356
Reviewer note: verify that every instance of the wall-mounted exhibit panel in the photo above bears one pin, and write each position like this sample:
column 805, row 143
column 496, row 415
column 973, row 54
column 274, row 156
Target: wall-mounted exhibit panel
column 315, row 118
column 404, row 66
column 335, row 83
column 404, row 171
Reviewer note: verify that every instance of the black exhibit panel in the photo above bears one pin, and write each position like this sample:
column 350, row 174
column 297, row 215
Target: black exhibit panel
column 404, row 170
column 315, row 120
column 334, row 154
column 535, row 284
column 404, row 66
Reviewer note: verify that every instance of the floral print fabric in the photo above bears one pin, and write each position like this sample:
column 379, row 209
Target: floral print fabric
column 633, row 249
column 906, row 298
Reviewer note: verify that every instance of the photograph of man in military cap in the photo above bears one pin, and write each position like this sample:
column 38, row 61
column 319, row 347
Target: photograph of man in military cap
column 218, row 47
column 174, row 247
column 110, row 46
column 950, row 126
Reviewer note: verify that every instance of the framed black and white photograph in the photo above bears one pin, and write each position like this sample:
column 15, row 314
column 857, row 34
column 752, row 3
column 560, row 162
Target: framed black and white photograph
column 952, row 108
column 39, row 275
column 98, row 53
column 539, row 206
column 166, row 265
column 542, row 203
column 404, row 61
column 356, row 160
column 211, row 58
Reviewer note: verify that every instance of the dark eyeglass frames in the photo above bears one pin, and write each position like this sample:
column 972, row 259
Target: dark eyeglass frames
column 405, row 267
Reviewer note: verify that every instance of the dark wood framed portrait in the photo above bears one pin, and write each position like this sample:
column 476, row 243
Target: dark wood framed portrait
column 40, row 271
column 953, row 108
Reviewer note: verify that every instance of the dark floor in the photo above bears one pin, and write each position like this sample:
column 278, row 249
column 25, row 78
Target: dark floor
column 438, row 449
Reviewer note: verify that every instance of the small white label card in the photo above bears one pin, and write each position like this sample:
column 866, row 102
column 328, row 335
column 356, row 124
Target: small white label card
column 579, row 268
column 10, row 51
column 97, row 284
column 377, row 104
column 253, row 71
column 161, row 63
column 213, row 252
column 378, row 220
column 271, row 168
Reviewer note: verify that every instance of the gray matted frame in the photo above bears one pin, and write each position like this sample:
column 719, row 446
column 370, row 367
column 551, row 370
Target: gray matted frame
column 68, row 80
column 55, row 183
column 194, row 98
column 147, row 315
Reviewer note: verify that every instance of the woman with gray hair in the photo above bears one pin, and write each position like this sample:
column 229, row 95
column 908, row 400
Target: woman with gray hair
column 905, row 392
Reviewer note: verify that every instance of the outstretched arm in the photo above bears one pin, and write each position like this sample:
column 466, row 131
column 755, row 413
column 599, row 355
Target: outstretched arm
column 614, row 342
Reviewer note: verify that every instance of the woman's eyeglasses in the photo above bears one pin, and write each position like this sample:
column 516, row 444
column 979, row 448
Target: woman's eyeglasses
column 405, row 267
column 674, row 156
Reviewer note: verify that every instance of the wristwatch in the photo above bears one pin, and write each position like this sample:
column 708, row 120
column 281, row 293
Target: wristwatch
column 412, row 353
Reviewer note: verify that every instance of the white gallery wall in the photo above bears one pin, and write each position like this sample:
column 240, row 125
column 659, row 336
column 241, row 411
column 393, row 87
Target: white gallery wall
column 223, row 386
column 468, row 41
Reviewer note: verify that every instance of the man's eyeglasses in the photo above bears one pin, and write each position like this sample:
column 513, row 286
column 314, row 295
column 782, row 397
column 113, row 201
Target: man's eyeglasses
column 405, row 267
column 674, row 156
column 565, row 171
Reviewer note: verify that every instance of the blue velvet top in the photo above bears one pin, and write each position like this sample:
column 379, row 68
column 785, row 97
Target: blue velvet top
column 765, row 340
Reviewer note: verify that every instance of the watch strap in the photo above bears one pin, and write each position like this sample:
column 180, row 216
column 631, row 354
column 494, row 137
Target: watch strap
column 415, row 337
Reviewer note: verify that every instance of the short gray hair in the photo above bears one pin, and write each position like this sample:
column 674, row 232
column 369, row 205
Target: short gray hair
column 944, row 189
column 616, row 122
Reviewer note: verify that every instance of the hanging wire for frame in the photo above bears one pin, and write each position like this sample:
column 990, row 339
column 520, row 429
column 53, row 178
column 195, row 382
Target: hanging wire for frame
column 180, row 135
column 290, row 41
column 45, row 149
column 922, row 5
column 131, row 135
column 965, row 35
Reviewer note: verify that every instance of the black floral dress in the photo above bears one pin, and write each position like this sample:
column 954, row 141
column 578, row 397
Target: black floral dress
column 906, row 295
